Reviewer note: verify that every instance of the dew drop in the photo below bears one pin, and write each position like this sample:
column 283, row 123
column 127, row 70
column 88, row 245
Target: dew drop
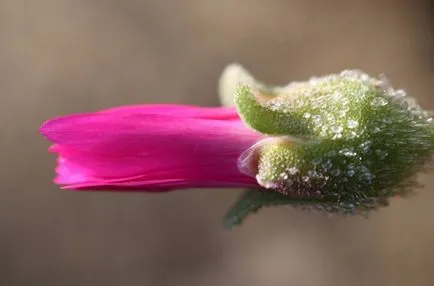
column 316, row 161
column 364, row 77
column 362, row 92
column 337, row 129
column 314, row 80
column 327, row 165
column 284, row 176
column 376, row 129
column 399, row 94
column 324, row 130
column 352, row 135
column 342, row 113
column 337, row 96
column 331, row 119
column 379, row 101
column 351, row 173
column 306, row 178
column 348, row 206
column 337, row 136
column 352, row 124
column 312, row 173
column 349, row 73
column 307, row 115
column 365, row 146
column 266, row 183
column 368, row 176
column 293, row 170
column 348, row 152
column 335, row 172
column 364, row 169
column 317, row 119
column 381, row 154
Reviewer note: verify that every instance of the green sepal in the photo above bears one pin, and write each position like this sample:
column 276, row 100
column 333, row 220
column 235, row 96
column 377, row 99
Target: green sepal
column 251, row 201
column 252, row 107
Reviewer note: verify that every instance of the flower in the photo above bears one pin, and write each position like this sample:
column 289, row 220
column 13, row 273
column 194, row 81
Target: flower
column 342, row 143
column 150, row 148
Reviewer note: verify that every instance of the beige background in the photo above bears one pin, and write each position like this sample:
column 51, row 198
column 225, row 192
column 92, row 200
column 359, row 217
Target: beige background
column 63, row 56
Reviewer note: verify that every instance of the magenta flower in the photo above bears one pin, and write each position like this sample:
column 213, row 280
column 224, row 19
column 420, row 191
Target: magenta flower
column 150, row 148
column 344, row 143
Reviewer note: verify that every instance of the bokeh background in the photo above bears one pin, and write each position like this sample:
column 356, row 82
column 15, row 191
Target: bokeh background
column 64, row 56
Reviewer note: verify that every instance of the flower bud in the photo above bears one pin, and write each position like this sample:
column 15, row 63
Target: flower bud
column 343, row 143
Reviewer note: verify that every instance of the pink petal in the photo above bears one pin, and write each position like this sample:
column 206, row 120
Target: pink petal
column 151, row 147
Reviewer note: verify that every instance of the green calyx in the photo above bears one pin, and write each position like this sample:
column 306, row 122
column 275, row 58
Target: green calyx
column 348, row 142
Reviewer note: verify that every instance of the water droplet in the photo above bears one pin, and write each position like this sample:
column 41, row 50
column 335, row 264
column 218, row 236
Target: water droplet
column 351, row 173
column 348, row 152
column 266, row 183
column 337, row 129
column 352, row 135
column 317, row 119
column 335, row 172
column 305, row 178
column 312, row 173
column 284, row 176
column 335, row 96
column 347, row 205
column 399, row 94
column 293, row 170
column 362, row 92
column 363, row 169
column 344, row 102
column 307, row 115
column 381, row 154
column 331, row 119
column 352, row 124
column 379, row 101
column 324, row 129
column 429, row 119
column 337, row 136
column 327, row 165
column 349, row 74
column 364, row 77
column 342, row 113
column 368, row 176
column 316, row 161
column 365, row 146
column 314, row 80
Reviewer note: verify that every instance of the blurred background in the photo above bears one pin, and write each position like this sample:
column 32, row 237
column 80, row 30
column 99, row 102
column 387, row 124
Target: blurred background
column 64, row 56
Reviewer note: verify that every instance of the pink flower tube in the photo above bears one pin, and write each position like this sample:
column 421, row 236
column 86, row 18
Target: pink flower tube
column 150, row 148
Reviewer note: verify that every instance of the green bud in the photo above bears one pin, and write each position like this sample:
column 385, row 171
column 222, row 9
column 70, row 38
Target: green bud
column 344, row 142
column 232, row 76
